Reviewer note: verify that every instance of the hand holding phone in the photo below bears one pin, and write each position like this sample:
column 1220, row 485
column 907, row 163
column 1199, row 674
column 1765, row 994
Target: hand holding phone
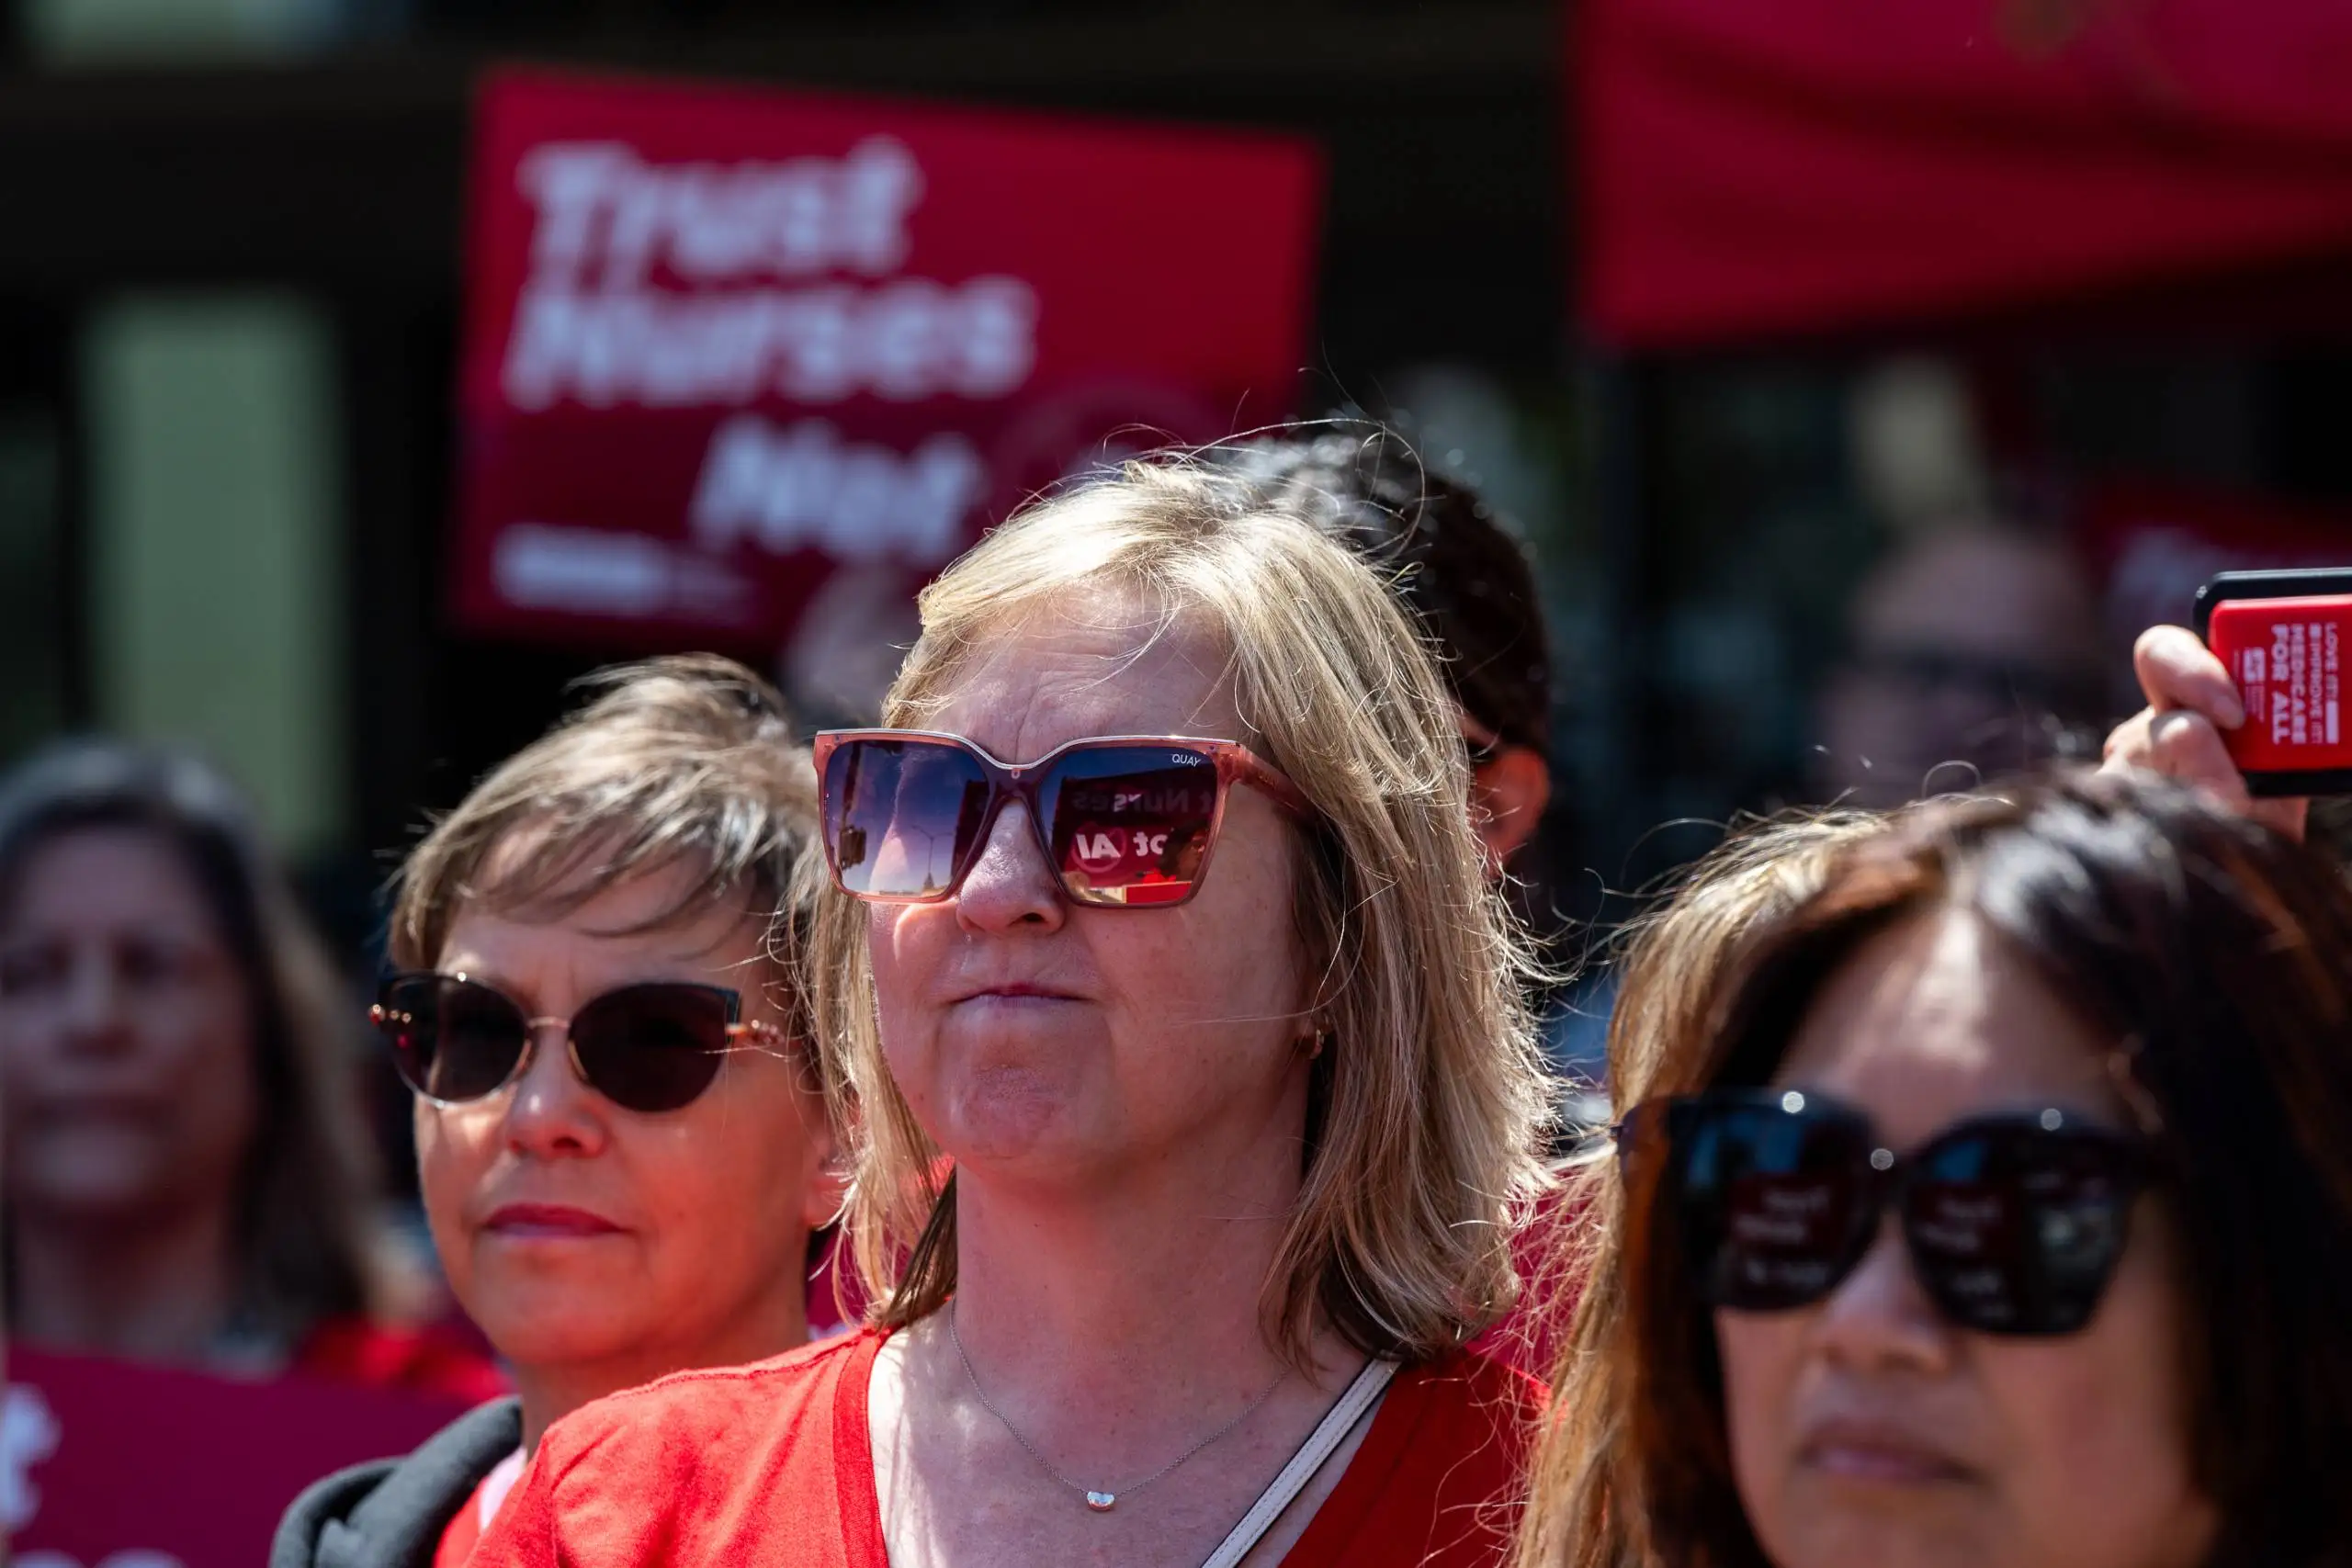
column 2282, row 637
column 2193, row 706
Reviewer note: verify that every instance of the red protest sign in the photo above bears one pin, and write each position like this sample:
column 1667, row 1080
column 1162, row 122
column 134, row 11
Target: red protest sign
column 107, row 1464
column 1144, row 832
column 726, row 349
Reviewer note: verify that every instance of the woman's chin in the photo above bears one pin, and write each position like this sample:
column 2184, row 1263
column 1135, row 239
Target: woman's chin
column 556, row 1340
column 1891, row 1531
column 1007, row 1110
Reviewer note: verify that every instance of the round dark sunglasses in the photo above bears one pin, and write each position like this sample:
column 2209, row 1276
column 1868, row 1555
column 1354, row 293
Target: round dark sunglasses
column 1126, row 821
column 2014, row 1223
column 650, row 1047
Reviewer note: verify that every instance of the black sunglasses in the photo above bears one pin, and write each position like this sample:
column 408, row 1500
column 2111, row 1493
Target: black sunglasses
column 2014, row 1223
column 650, row 1047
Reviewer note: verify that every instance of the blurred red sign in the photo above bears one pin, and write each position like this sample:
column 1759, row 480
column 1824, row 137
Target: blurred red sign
column 724, row 347
column 105, row 1464
column 1749, row 170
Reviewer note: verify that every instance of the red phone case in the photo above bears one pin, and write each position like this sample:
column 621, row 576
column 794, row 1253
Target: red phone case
column 2283, row 636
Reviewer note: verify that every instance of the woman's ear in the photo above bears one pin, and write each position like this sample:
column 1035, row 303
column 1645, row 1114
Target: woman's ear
column 1507, row 793
column 828, row 1178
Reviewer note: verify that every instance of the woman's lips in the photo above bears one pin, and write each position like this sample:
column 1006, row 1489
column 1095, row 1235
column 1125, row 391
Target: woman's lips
column 1016, row 992
column 1878, row 1455
column 546, row 1222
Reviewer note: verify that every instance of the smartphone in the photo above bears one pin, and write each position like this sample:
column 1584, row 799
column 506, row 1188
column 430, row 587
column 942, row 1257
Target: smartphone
column 2283, row 634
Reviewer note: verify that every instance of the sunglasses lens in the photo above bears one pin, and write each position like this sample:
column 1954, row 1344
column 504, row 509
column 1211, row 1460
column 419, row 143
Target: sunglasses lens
column 1129, row 825
column 2016, row 1230
column 451, row 1038
column 652, row 1048
column 1775, row 1205
column 900, row 816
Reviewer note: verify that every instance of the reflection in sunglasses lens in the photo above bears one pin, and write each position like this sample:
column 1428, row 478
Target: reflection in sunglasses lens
column 901, row 816
column 450, row 1039
column 1773, row 1201
column 2017, row 1231
column 654, row 1047
column 1130, row 825
column 2011, row 1229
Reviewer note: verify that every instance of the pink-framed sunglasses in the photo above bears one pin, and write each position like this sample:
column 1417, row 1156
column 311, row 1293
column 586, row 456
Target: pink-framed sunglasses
column 1126, row 821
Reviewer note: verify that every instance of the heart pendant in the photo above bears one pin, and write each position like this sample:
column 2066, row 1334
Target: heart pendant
column 1101, row 1502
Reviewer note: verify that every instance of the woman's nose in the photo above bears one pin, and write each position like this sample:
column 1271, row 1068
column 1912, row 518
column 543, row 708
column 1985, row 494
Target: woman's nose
column 1881, row 1318
column 1011, row 883
column 551, row 1115
column 98, row 1010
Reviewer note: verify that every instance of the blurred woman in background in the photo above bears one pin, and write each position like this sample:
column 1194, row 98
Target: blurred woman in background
column 1999, row 1212
column 187, row 1170
column 1162, row 923
column 621, row 1139
column 1462, row 573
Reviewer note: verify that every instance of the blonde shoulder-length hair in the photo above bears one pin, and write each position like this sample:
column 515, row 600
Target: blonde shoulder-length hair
column 1426, row 1107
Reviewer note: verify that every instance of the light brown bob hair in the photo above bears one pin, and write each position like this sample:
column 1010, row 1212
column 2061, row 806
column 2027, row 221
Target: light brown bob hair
column 689, row 761
column 1425, row 1110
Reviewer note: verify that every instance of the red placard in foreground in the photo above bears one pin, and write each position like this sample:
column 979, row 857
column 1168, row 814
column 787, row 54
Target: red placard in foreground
column 728, row 350
column 104, row 1464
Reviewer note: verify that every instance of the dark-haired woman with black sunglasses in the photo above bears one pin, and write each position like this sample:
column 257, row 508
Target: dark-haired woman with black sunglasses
column 621, row 1141
column 2001, row 1215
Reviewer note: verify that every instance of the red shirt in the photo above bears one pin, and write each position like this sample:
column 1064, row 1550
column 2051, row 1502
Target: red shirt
column 414, row 1361
column 465, row 1528
column 1550, row 1279
column 772, row 1464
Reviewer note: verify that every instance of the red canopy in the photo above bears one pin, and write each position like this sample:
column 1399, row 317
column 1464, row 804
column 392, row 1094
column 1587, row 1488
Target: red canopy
column 1768, row 167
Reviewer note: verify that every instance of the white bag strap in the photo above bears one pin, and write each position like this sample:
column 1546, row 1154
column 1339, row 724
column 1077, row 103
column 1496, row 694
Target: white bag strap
column 1333, row 1430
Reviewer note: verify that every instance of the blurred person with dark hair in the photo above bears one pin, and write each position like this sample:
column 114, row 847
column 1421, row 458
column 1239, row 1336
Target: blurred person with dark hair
column 1458, row 569
column 1998, row 1213
column 1469, row 583
column 188, row 1177
column 1972, row 652
column 621, row 1140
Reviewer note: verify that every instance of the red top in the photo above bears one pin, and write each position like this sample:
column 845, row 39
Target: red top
column 463, row 1534
column 772, row 1464
column 463, row 1530
column 432, row 1361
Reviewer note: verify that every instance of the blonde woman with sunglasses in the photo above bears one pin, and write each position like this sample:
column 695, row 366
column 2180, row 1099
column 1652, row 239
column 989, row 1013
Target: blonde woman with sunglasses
column 1161, row 923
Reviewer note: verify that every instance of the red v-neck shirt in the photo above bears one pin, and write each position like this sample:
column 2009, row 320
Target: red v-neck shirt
column 772, row 1465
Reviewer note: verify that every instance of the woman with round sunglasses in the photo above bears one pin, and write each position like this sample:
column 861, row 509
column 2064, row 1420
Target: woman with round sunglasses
column 1164, row 928
column 1999, row 1213
column 621, row 1141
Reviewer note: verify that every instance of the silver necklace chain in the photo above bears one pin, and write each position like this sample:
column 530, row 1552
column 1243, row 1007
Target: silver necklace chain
column 1101, row 1501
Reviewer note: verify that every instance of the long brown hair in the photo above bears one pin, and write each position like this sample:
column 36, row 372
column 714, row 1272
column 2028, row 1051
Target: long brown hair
column 1670, row 966
column 310, row 1244
column 2217, row 957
